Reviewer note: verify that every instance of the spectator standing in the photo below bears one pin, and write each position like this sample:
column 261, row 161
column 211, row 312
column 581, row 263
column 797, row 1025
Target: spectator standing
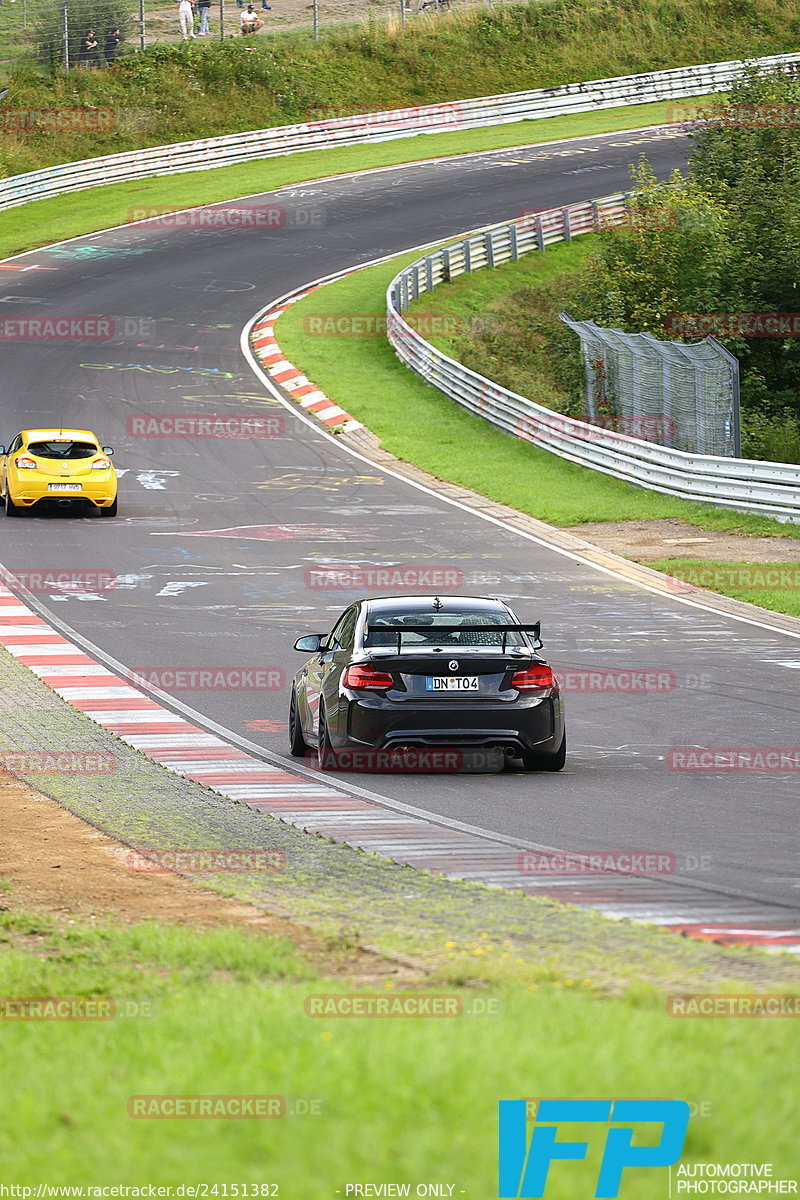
column 87, row 49
column 186, row 18
column 203, row 7
column 113, row 39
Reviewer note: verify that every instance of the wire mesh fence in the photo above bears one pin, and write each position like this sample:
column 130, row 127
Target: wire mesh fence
column 52, row 32
column 79, row 33
column 678, row 395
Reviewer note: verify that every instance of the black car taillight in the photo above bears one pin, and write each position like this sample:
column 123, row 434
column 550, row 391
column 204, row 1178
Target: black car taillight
column 539, row 675
column 364, row 675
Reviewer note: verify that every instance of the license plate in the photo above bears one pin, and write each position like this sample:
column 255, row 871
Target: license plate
column 452, row 683
column 64, row 487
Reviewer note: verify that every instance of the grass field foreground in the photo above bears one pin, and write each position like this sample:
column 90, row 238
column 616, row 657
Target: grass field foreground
column 406, row 1099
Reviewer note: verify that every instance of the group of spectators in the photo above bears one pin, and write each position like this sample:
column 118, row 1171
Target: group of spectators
column 89, row 52
column 187, row 10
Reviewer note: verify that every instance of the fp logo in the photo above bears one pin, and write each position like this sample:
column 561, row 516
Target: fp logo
column 524, row 1168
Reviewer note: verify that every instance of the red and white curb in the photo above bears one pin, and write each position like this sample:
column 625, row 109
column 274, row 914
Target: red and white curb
column 192, row 752
column 273, row 360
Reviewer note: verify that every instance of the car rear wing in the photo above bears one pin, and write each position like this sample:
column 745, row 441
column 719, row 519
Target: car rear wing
column 474, row 627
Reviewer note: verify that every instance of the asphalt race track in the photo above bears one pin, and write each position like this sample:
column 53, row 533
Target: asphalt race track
column 215, row 536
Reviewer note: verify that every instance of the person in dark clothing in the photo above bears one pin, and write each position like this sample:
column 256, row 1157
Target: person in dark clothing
column 203, row 6
column 86, row 54
column 113, row 39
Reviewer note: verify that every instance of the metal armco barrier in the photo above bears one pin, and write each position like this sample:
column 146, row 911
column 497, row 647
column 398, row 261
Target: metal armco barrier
column 772, row 489
column 483, row 111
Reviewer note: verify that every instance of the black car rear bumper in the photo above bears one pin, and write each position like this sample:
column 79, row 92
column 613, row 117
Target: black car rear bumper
column 531, row 725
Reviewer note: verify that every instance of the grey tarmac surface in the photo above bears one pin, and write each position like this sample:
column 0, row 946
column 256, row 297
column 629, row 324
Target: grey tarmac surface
column 189, row 596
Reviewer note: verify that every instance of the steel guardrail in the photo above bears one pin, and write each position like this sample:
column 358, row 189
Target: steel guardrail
column 772, row 489
column 482, row 111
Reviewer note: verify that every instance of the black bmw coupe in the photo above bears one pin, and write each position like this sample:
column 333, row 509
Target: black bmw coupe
column 403, row 673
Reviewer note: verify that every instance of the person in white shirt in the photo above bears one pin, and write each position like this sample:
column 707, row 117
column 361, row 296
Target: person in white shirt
column 251, row 22
column 186, row 18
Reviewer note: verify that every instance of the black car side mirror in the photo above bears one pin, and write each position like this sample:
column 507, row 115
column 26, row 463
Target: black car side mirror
column 109, row 450
column 310, row 642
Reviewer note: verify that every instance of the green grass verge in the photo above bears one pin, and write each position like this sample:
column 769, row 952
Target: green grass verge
column 773, row 585
column 406, row 1100
column 419, row 424
column 42, row 222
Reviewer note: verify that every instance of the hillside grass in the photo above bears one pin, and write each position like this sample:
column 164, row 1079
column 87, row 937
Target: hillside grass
column 180, row 92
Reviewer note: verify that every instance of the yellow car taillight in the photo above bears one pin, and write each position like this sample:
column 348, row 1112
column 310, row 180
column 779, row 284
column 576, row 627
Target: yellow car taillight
column 101, row 464
column 25, row 463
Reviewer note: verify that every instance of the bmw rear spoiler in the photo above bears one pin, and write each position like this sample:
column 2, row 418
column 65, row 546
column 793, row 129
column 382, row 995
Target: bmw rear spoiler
column 535, row 629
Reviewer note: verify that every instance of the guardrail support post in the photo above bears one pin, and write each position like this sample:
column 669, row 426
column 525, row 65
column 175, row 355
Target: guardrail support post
column 489, row 249
column 567, row 225
column 467, row 257
column 539, row 234
column 513, row 237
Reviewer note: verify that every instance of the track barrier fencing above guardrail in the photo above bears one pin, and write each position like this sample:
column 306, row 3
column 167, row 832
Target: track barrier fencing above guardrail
column 772, row 489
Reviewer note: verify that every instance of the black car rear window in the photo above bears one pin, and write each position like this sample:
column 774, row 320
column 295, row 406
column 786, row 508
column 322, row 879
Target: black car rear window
column 379, row 633
column 63, row 449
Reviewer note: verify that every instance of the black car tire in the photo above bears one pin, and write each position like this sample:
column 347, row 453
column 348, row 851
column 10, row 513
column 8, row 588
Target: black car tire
column 111, row 511
column 297, row 743
column 326, row 752
column 10, row 507
column 547, row 762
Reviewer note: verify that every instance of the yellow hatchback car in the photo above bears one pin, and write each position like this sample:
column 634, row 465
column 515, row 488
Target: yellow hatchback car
column 65, row 467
